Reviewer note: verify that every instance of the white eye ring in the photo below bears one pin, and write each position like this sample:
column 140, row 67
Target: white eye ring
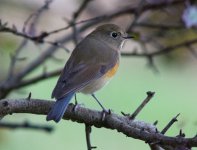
column 114, row 34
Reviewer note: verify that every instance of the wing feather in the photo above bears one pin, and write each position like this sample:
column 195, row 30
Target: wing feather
column 85, row 64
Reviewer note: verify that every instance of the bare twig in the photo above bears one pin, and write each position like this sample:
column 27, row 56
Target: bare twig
column 31, row 31
column 88, row 130
column 172, row 121
column 137, row 15
column 162, row 51
column 36, row 79
column 35, row 17
column 147, row 99
column 131, row 10
column 75, row 16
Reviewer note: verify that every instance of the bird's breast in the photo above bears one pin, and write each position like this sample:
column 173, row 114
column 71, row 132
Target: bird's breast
column 97, row 84
column 112, row 71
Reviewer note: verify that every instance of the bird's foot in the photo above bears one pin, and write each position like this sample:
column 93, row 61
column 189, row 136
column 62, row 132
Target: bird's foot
column 76, row 106
column 105, row 112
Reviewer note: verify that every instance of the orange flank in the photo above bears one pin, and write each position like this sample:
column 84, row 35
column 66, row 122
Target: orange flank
column 112, row 72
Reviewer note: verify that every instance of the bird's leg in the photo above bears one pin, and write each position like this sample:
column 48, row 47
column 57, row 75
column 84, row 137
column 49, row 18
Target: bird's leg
column 104, row 110
column 76, row 103
column 76, row 99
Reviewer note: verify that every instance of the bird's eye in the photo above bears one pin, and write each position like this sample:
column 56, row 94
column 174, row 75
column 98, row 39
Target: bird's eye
column 114, row 34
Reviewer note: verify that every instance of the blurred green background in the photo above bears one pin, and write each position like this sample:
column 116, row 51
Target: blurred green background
column 175, row 85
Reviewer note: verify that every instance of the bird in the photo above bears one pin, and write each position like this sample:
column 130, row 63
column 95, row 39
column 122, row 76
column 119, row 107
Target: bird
column 91, row 65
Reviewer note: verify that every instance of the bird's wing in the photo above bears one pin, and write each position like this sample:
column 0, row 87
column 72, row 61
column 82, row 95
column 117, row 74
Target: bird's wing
column 85, row 64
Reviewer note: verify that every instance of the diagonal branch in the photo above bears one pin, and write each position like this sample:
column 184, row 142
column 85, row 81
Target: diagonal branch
column 141, row 106
column 163, row 51
column 172, row 121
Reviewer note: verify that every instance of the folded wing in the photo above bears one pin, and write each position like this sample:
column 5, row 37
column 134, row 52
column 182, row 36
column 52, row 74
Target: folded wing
column 85, row 66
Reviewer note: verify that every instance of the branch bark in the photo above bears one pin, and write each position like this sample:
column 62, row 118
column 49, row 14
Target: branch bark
column 131, row 128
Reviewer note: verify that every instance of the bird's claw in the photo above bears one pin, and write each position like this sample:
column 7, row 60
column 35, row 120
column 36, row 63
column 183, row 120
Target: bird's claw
column 76, row 106
column 104, row 113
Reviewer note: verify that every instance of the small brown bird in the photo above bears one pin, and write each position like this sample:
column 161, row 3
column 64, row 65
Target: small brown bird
column 91, row 65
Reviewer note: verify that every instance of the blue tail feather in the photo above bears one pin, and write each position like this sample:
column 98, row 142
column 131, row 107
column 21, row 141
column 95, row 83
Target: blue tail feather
column 57, row 111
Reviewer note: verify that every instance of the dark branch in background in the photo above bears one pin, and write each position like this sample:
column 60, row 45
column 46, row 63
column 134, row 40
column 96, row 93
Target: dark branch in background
column 163, row 51
column 57, row 72
column 31, row 31
column 131, row 128
column 76, row 14
column 137, row 14
column 7, row 86
column 131, row 10
column 35, row 18
column 26, row 125
column 36, row 79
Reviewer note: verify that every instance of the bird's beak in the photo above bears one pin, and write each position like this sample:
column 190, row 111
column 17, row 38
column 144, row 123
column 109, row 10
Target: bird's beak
column 127, row 36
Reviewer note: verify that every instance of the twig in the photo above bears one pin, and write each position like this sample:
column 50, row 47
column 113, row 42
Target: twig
column 26, row 125
column 172, row 121
column 81, row 8
column 88, row 141
column 147, row 99
column 36, row 15
column 162, row 51
column 31, row 31
column 36, row 79
column 6, row 88
column 14, row 58
column 131, row 10
column 136, row 15
column 76, row 14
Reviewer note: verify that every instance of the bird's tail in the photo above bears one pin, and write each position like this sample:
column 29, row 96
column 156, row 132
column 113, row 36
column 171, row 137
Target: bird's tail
column 57, row 111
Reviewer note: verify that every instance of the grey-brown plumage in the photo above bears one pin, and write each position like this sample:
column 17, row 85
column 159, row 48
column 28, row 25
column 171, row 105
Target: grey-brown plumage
column 89, row 67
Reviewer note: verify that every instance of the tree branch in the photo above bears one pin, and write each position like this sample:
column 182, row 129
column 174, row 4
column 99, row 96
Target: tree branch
column 162, row 51
column 25, row 125
column 132, row 128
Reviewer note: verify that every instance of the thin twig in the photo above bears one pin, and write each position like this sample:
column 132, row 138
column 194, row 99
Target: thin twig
column 172, row 121
column 88, row 130
column 147, row 99
column 162, row 51
column 130, row 10
column 31, row 31
column 76, row 14
column 36, row 79
column 35, row 17
column 137, row 15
